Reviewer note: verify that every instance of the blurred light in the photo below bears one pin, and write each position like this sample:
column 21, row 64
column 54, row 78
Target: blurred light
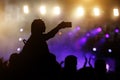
column 96, row 11
column 109, row 50
column 60, row 33
column 78, row 28
column 116, row 30
column 80, row 11
column 21, row 30
column 99, row 29
column 42, row 10
column 107, row 35
column 94, row 49
column 57, row 10
column 26, row 9
column 107, row 67
column 18, row 49
column 88, row 34
column 20, row 39
column 116, row 12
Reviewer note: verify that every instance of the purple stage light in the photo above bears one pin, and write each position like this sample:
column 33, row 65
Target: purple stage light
column 78, row 28
column 88, row 34
column 99, row 29
column 107, row 67
column 116, row 30
column 107, row 35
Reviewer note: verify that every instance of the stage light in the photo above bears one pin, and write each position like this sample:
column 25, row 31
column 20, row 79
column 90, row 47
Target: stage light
column 26, row 9
column 57, row 10
column 99, row 29
column 116, row 12
column 20, row 39
column 116, row 30
column 107, row 67
column 94, row 49
column 21, row 30
column 59, row 33
column 18, row 49
column 80, row 11
column 77, row 28
column 109, row 50
column 96, row 11
column 107, row 35
column 43, row 10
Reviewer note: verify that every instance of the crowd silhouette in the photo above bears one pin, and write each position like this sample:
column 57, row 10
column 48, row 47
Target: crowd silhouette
column 35, row 62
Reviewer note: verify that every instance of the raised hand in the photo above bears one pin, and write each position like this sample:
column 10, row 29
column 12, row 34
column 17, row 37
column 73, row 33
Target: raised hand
column 85, row 61
column 65, row 24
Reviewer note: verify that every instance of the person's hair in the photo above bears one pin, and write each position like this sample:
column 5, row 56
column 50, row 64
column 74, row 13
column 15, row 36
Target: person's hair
column 37, row 26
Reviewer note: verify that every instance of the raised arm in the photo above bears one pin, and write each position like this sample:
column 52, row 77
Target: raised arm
column 89, row 62
column 55, row 30
column 85, row 62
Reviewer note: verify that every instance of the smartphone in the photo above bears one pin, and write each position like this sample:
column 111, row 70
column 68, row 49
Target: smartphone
column 68, row 24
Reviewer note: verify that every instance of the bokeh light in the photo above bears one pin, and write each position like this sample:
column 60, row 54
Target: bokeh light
column 20, row 39
column 109, row 50
column 26, row 9
column 56, row 10
column 116, row 12
column 42, row 10
column 96, row 11
column 80, row 11
column 18, row 49
column 21, row 30
column 94, row 49
column 107, row 35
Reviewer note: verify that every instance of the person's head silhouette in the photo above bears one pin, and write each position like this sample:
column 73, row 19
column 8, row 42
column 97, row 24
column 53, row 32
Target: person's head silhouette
column 37, row 27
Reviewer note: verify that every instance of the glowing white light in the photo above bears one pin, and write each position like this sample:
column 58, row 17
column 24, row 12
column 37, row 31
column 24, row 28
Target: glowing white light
column 21, row 30
column 116, row 12
column 42, row 10
column 107, row 67
column 18, row 49
column 96, row 11
column 109, row 50
column 57, row 10
column 26, row 9
column 20, row 39
column 80, row 11
column 94, row 49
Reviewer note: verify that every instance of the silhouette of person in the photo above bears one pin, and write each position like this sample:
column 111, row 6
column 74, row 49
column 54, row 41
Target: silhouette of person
column 35, row 54
column 37, row 41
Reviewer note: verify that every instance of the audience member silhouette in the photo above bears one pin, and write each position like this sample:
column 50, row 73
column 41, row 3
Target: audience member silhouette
column 86, row 73
column 70, row 68
column 100, row 70
column 35, row 55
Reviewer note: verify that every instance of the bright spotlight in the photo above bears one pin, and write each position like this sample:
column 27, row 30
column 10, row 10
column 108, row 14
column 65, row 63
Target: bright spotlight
column 109, row 50
column 20, row 39
column 116, row 12
column 42, row 10
column 26, row 9
column 96, row 11
column 80, row 11
column 21, row 30
column 18, row 49
column 57, row 10
column 94, row 49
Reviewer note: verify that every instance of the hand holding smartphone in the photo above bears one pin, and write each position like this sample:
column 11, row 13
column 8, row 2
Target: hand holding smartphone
column 68, row 24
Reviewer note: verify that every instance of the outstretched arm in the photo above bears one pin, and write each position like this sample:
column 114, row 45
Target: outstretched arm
column 55, row 30
column 85, row 62
column 89, row 62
